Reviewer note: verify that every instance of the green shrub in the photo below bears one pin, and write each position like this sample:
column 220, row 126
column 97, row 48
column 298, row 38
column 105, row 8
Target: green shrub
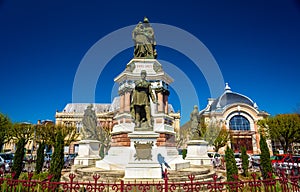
column 40, row 158
column 18, row 159
column 265, row 162
column 57, row 161
column 245, row 161
column 231, row 168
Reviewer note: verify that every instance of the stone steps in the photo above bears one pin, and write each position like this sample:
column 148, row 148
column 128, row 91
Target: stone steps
column 86, row 173
column 202, row 174
column 199, row 176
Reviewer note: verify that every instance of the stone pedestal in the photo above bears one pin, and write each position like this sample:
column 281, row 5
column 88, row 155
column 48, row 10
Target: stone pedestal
column 143, row 163
column 88, row 152
column 197, row 152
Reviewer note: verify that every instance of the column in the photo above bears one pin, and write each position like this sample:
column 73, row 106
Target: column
column 122, row 98
column 127, row 102
column 160, row 100
column 166, row 104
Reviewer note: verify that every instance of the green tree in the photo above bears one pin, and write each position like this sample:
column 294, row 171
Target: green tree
column 245, row 161
column 18, row 158
column 284, row 128
column 265, row 162
column 5, row 126
column 58, row 136
column 217, row 136
column 222, row 139
column 231, row 168
column 46, row 134
column 40, row 157
column 42, row 137
column 57, row 161
column 21, row 133
column 211, row 133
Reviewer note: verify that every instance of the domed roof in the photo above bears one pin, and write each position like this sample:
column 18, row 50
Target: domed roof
column 229, row 98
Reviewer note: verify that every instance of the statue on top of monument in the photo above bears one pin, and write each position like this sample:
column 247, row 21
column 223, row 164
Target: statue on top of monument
column 144, row 42
column 140, row 102
column 89, row 121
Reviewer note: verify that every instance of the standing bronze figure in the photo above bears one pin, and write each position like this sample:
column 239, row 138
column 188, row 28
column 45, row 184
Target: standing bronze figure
column 140, row 103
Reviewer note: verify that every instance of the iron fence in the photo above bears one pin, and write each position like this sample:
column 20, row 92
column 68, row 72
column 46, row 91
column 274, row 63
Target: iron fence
column 283, row 182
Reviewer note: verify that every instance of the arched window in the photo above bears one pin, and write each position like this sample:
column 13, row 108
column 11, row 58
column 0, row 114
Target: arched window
column 239, row 123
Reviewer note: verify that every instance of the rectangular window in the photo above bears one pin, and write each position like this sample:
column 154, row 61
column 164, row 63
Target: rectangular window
column 237, row 143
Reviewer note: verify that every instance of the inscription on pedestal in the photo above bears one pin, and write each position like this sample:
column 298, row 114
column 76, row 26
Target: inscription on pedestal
column 143, row 150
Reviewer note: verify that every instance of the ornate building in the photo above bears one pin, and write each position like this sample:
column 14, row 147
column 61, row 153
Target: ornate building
column 239, row 114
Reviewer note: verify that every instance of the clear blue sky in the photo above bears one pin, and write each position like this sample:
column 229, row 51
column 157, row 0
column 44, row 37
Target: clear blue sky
column 256, row 45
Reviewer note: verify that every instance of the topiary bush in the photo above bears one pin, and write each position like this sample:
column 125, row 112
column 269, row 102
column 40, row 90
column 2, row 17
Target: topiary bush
column 57, row 161
column 265, row 162
column 245, row 161
column 40, row 158
column 231, row 168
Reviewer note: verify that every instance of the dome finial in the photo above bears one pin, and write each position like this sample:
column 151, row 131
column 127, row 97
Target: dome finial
column 227, row 88
column 255, row 106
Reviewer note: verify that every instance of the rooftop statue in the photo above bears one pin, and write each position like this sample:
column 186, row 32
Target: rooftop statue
column 144, row 42
column 89, row 121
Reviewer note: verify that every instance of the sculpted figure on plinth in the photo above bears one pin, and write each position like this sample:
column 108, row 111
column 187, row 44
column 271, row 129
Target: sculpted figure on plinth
column 195, row 130
column 140, row 103
column 144, row 42
column 89, row 121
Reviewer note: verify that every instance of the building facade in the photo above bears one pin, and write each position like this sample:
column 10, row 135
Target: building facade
column 239, row 114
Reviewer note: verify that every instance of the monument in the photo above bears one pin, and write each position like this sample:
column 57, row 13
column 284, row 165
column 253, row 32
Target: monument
column 88, row 151
column 196, row 146
column 143, row 134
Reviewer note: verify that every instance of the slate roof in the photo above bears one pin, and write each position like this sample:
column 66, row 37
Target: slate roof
column 80, row 107
column 98, row 107
column 229, row 98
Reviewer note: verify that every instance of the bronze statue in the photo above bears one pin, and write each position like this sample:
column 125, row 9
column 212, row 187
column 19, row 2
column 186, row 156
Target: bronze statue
column 140, row 102
column 89, row 121
column 144, row 42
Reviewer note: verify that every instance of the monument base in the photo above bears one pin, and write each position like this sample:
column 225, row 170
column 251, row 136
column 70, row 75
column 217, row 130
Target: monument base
column 143, row 163
column 88, row 153
column 197, row 152
column 119, row 157
column 143, row 170
column 116, row 159
column 127, row 152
